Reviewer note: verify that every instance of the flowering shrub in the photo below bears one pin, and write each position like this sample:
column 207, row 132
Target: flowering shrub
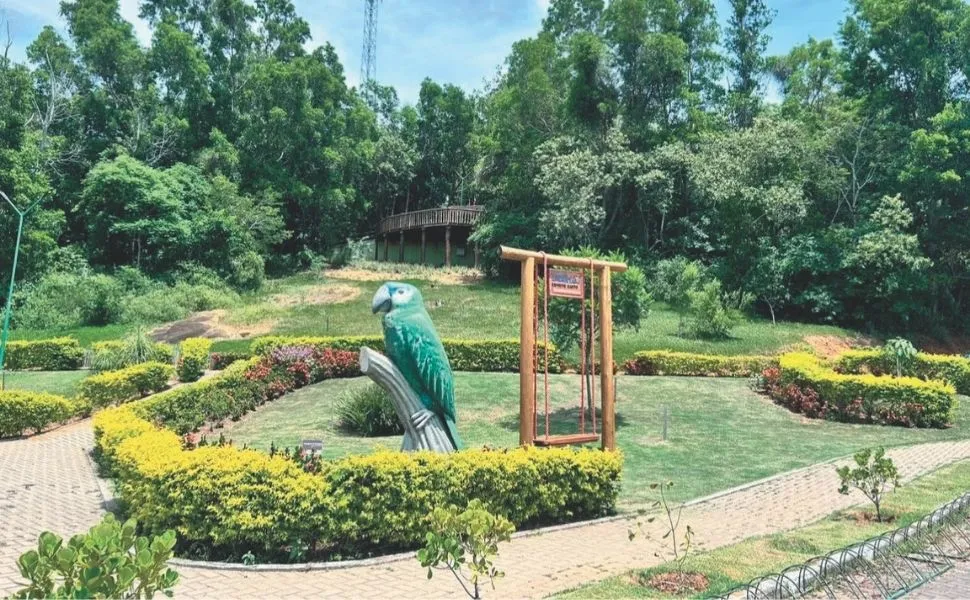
column 220, row 360
column 803, row 384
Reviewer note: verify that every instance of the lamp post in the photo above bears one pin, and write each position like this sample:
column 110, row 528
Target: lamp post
column 13, row 275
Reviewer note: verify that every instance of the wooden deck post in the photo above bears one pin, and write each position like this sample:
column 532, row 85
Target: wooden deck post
column 400, row 248
column 424, row 243
column 447, row 245
column 606, row 361
column 527, row 375
column 385, row 247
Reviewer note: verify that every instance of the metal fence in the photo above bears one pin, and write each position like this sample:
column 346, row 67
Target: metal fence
column 885, row 566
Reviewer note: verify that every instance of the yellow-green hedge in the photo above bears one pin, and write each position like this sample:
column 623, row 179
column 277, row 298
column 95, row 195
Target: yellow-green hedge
column 22, row 412
column 57, row 354
column 662, row 362
column 870, row 398
column 464, row 355
column 235, row 500
column 944, row 367
column 193, row 358
column 116, row 387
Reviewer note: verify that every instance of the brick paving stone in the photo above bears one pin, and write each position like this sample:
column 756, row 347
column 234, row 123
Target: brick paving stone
column 954, row 584
column 48, row 483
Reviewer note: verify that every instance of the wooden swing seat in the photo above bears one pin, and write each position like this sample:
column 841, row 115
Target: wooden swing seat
column 567, row 440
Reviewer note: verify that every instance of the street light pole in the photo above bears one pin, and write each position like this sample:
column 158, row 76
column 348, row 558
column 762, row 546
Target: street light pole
column 13, row 275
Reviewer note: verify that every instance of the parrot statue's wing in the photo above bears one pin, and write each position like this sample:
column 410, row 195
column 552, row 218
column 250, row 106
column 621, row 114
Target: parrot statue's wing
column 431, row 362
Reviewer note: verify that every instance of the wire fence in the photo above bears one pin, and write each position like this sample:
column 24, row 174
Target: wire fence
column 886, row 566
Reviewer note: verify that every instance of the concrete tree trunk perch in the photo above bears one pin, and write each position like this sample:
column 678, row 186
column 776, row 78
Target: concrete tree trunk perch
column 406, row 403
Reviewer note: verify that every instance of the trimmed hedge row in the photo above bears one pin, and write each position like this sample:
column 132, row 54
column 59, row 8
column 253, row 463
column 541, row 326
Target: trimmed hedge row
column 952, row 368
column 464, row 355
column 352, row 506
column 116, row 387
column 662, row 362
column 806, row 385
column 57, row 354
column 193, row 358
column 22, row 411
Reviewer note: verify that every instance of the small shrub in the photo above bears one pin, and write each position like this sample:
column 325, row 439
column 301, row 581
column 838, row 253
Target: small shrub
column 116, row 387
column 193, row 358
column 708, row 313
column 220, row 360
column 469, row 538
column 679, row 548
column 22, row 412
column 248, row 271
column 873, row 475
column 57, row 354
column 109, row 561
column 368, row 411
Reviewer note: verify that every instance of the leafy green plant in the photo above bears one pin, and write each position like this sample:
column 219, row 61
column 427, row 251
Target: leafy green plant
column 873, row 475
column 465, row 539
column 368, row 411
column 193, row 358
column 679, row 548
column 135, row 348
column 109, row 561
column 709, row 316
column 901, row 352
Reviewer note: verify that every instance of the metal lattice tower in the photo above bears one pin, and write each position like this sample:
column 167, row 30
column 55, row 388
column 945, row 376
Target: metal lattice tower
column 368, row 56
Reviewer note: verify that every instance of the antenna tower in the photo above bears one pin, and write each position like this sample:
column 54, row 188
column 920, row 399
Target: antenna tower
column 368, row 60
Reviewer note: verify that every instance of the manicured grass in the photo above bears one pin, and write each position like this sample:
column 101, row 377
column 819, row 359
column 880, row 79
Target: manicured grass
column 485, row 309
column 737, row 564
column 721, row 434
column 55, row 382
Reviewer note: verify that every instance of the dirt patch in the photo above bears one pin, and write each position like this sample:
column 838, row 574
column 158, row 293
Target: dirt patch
column 829, row 346
column 464, row 277
column 209, row 324
column 677, row 583
column 318, row 294
column 865, row 517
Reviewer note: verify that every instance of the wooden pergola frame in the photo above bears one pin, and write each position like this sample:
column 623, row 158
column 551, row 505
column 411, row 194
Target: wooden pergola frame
column 527, row 375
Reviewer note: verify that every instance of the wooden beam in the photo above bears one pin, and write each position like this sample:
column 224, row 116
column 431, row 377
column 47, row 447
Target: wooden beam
column 527, row 375
column 555, row 260
column 424, row 243
column 448, row 245
column 400, row 248
column 478, row 255
column 606, row 361
column 385, row 247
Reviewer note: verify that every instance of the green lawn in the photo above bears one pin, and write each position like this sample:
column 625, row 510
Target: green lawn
column 54, row 382
column 721, row 434
column 485, row 309
column 734, row 565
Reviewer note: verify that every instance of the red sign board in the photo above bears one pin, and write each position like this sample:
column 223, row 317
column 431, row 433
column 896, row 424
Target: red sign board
column 565, row 284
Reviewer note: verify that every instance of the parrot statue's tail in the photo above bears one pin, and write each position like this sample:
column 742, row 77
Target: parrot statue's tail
column 452, row 430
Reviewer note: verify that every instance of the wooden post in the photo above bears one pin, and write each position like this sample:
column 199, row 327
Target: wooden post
column 424, row 243
column 606, row 361
column 448, row 245
column 478, row 253
column 385, row 247
column 527, row 376
column 400, row 248
column 377, row 249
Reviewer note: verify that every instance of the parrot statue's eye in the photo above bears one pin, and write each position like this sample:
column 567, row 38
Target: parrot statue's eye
column 401, row 291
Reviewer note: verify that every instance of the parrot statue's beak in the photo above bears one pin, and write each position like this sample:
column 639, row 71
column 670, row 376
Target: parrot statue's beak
column 382, row 300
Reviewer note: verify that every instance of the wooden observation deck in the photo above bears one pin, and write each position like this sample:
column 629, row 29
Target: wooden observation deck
column 446, row 217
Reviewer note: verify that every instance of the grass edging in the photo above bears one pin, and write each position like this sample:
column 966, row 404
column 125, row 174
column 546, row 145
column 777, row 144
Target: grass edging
column 834, row 562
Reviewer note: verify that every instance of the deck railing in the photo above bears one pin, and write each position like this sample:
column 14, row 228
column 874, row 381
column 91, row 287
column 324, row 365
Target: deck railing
column 432, row 217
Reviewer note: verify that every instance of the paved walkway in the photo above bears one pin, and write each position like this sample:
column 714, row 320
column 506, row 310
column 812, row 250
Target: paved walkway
column 48, row 483
column 954, row 584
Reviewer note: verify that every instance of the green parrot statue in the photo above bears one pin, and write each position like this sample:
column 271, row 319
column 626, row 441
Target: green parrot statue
column 413, row 345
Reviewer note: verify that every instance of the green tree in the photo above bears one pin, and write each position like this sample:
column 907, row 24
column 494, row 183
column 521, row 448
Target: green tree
column 745, row 41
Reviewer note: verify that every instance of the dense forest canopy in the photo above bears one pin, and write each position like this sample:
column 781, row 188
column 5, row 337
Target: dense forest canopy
column 230, row 146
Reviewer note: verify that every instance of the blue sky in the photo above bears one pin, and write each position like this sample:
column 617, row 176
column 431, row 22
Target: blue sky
column 457, row 41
